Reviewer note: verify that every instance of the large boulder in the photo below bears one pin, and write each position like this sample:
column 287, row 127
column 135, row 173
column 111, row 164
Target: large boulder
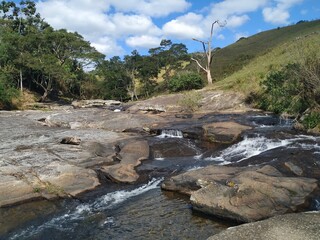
column 295, row 226
column 223, row 132
column 20, row 184
column 130, row 156
column 243, row 194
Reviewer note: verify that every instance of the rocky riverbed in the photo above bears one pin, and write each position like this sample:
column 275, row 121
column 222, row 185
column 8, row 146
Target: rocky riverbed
column 68, row 151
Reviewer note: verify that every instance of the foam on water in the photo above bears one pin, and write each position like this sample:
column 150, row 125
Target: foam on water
column 247, row 148
column 170, row 133
column 67, row 221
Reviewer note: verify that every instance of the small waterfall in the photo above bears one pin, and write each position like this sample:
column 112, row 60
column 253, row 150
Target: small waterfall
column 247, row 148
column 171, row 133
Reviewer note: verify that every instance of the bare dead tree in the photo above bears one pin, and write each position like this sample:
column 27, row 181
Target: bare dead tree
column 207, row 51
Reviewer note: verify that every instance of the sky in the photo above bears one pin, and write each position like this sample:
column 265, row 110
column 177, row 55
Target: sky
column 117, row 27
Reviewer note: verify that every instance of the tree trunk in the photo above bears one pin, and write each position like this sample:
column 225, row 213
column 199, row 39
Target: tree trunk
column 21, row 79
column 44, row 96
column 209, row 78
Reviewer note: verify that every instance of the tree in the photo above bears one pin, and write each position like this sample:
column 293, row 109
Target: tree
column 147, row 70
column 131, row 65
column 207, row 51
column 170, row 56
column 115, row 79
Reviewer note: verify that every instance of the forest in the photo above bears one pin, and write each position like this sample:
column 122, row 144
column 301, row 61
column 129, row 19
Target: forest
column 58, row 64
column 278, row 70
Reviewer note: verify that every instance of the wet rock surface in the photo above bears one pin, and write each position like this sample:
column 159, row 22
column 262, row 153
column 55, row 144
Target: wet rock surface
column 35, row 164
column 130, row 156
column 55, row 153
column 243, row 194
column 224, row 132
column 297, row 226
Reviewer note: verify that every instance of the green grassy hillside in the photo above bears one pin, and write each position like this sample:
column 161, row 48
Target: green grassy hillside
column 248, row 78
column 234, row 57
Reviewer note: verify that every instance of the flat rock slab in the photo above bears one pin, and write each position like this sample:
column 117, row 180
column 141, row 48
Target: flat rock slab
column 130, row 156
column 296, row 226
column 68, row 179
column 223, row 132
column 243, row 194
column 95, row 103
column 15, row 190
column 20, row 184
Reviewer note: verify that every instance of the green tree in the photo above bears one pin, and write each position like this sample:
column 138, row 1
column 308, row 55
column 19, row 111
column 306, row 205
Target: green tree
column 169, row 56
column 147, row 71
column 131, row 63
column 185, row 81
column 115, row 80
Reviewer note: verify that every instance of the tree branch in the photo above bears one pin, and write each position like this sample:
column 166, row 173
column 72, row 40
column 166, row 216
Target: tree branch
column 203, row 44
column 193, row 59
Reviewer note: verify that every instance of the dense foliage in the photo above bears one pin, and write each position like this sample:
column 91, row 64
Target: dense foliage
column 185, row 81
column 295, row 89
column 57, row 63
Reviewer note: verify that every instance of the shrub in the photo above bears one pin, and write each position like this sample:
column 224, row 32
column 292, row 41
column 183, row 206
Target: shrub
column 190, row 101
column 185, row 81
column 7, row 93
column 311, row 120
column 284, row 91
column 295, row 90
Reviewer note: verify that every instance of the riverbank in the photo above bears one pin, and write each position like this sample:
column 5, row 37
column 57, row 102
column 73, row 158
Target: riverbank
column 39, row 160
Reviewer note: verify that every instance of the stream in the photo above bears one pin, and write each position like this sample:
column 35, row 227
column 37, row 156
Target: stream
column 143, row 210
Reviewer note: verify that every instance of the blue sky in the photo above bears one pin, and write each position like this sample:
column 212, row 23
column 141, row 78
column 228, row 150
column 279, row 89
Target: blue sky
column 117, row 27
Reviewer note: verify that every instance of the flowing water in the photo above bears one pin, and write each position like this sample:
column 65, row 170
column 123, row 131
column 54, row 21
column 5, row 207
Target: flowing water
column 143, row 211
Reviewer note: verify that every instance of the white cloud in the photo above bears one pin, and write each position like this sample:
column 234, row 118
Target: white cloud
column 134, row 24
column 76, row 15
column 155, row 8
column 107, row 45
column 184, row 27
column 143, row 41
column 276, row 15
column 237, row 21
column 279, row 14
column 226, row 8
column 102, row 28
column 109, row 23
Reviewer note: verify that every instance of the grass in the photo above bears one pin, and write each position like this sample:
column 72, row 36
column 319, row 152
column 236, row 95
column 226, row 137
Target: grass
column 248, row 78
column 234, row 57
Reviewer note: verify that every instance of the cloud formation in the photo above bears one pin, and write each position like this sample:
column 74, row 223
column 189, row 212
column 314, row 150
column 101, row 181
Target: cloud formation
column 141, row 24
column 279, row 13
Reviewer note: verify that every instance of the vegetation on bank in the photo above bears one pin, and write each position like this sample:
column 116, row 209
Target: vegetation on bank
column 57, row 64
column 286, row 80
column 277, row 69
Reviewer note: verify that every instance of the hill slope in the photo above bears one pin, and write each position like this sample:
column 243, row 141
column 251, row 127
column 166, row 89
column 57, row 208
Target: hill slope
column 233, row 57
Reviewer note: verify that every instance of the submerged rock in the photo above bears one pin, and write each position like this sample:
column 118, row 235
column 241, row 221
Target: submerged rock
column 297, row 226
column 243, row 194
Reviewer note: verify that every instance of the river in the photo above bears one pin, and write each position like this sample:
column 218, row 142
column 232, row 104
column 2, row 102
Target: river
column 143, row 210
